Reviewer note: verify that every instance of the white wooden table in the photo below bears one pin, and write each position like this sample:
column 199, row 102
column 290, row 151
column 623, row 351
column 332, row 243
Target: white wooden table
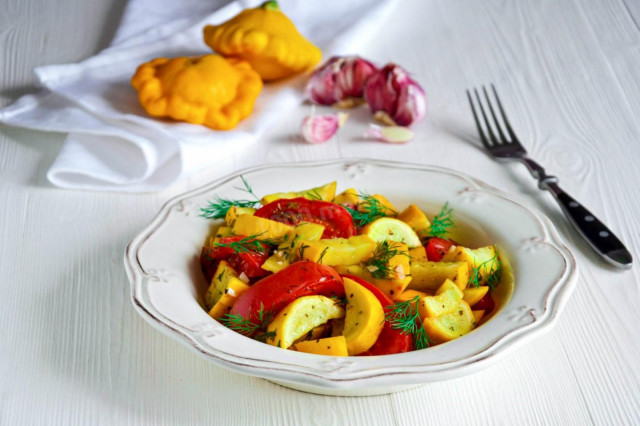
column 74, row 351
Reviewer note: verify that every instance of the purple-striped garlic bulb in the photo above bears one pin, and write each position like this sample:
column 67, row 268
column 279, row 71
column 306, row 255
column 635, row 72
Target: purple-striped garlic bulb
column 340, row 81
column 394, row 97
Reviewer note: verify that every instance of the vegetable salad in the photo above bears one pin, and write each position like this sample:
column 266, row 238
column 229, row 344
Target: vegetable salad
column 343, row 275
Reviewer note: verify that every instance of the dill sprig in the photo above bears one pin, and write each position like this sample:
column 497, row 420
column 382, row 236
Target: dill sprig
column 324, row 251
column 404, row 316
column 313, row 195
column 249, row 328
column 378, row 264
column 301, row 250
column 442, row 222
column 249, row 244
column 218, row 209
column 368, row 210
column 339, row 300
column 493, row 265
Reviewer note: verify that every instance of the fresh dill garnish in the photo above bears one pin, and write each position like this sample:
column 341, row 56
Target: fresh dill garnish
column 248, row 244
column 404, row 316
column 249, row 328
column 218, row 209
column 368, row 210
column 339, row 300
column 492, row 266
column 319, row 261
column 378, row 264
column 301, row 250
column 313, row 195
column 442, row 222
column 247, row 188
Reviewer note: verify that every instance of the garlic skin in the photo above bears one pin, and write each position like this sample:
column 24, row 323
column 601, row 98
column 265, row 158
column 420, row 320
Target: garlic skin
column 389, row 134
column 394, row 97
column 340, row 81
column 320, row 128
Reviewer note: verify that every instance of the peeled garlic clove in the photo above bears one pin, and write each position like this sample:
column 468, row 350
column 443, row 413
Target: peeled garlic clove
column 320, row 128
column 340, row 80
column 392, row 91
column 390, row 134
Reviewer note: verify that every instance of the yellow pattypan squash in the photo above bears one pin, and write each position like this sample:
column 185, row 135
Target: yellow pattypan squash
column 209, row 89
column 265, row 38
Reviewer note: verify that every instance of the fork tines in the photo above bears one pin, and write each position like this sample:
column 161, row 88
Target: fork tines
column 488, row 137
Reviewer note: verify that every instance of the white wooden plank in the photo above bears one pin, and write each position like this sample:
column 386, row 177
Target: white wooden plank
column 73, row 350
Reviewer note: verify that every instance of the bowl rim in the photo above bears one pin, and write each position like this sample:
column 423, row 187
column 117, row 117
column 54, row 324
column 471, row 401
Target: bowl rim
column 555, row 299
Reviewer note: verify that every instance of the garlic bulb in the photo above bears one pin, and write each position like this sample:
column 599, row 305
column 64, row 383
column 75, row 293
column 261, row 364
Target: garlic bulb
column 320, row 128
column 340, row 81
column 394, row 97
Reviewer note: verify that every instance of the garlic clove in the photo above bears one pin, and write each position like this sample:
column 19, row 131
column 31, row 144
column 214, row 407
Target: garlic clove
column 392, row 91
column 348, row 103
column 384, row 118
column 340, row 78
column 389, row 134
column 320, row 128
column 412, row 105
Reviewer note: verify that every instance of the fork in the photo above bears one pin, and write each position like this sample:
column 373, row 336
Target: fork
column 503, row 148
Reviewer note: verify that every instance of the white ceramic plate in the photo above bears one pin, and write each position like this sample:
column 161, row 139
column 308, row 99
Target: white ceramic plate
column 167, row 285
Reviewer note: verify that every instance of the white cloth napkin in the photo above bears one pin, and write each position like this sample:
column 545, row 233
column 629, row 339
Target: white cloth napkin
column 112, row 145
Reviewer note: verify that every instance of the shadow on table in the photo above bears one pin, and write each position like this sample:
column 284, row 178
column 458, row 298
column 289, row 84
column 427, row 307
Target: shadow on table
column 540, row 200
column 45, row 145
column 94, row 344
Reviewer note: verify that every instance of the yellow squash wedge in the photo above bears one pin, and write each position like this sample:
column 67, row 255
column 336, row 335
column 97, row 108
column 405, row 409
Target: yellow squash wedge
column 364, row 318
column 446, row 299
column 300, row 317
column 334, row 346
column 325, row 192
column 450, row 326
column 428, row 276
column 261, row 228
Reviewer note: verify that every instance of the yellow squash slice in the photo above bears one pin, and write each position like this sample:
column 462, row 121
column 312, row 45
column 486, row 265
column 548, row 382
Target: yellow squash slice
column 364, row 318
column 300, row 317
column 446, row 299
column 263, row 229
column 428, row 276
column 391, row 229
column 335, row 346
column 325, row 193
column 450, row 326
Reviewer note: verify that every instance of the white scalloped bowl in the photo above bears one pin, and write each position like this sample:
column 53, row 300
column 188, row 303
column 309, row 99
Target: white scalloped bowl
column 167, row 285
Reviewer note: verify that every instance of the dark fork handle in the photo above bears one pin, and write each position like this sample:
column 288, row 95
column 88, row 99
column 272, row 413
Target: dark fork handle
column 595, row 232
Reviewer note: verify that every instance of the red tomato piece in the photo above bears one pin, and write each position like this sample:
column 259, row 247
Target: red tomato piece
column 208, row 263
column 249, row 262
column 486, row 303
column 275, row 292
column 336, row 219
column 390, row 341
column 436, row 248
column 382, row 298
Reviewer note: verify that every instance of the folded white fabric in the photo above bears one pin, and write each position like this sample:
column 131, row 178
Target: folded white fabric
column 114, row 146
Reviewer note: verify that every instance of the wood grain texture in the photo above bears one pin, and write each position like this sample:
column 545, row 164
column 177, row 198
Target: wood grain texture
column 73, row 350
